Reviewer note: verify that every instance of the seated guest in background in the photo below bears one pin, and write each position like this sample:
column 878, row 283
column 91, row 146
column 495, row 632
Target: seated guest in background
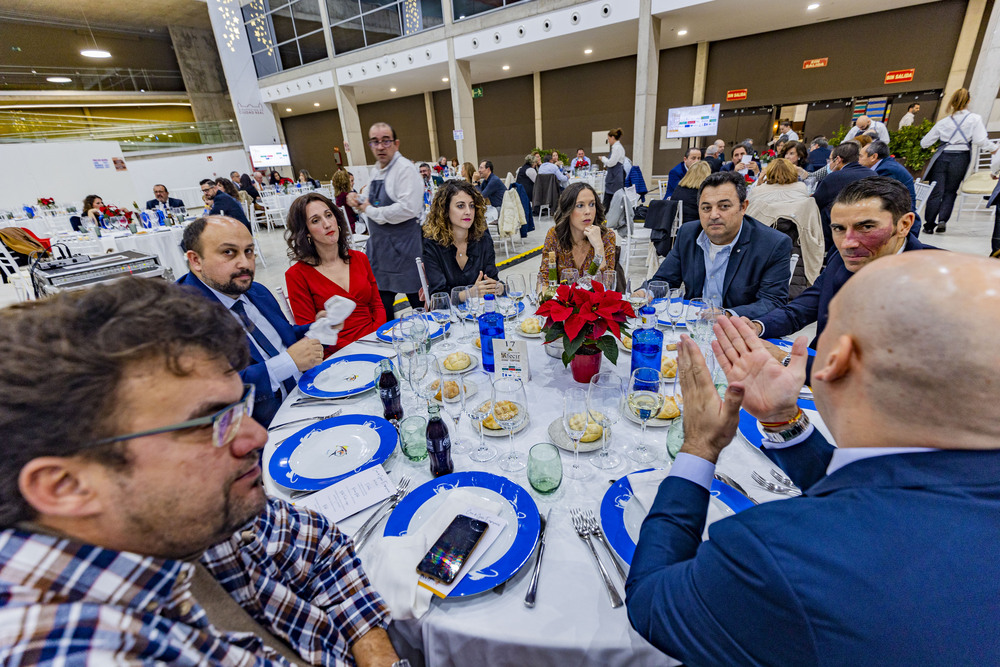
column 220, row 203
column 686, row 191
column 220, row 254
column 341, row 186
column 453, row 166
column 890, row 554
column 579, row 237
column 274, row 178
column 863, row 125
column 876, row 157
column 247, row 186
column 720, row 144
column 441, row 165
column 228, row 187
column 870, row 218
column 258, row 178
column 844, row 168
column 786, row 131
column 819, row 151
column 748, row 170
column 728, row 257
column 136, row 529
column 581, row 161
column 526, row 175
column 458, row 248
column 552, row 166
column 306, row 179
column 468, row 172
column 234, row 176
column 798, row 155
column 162, row 198
column 490, row 184
column 712, row 158
column 691, row 156
column 318, row 240
column 426, row 176
column 92, row 205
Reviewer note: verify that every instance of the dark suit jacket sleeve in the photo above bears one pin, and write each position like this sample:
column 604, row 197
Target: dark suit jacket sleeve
column 805, row 462
column 720, row 602
column 673, row 178
column 802, row 310
column 773, row 289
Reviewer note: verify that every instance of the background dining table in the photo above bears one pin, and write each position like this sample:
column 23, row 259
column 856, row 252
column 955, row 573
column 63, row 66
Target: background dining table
column 164, row 242
column 573, row 622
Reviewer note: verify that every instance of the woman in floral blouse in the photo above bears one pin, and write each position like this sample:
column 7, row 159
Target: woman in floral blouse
column 579, row 236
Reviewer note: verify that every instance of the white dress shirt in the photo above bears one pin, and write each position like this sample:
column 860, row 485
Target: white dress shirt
column 947, row 130
column 551, row 168
column 906, row 120
column 617, row 155
column 405, row 187
column 880, row 129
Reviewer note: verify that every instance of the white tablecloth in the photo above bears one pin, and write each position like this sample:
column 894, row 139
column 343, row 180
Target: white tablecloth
column 41, row 225
column 165, row 243
column 573, row 622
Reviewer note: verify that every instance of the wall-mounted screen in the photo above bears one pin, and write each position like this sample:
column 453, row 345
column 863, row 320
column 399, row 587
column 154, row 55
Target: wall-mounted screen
column 274, row 155
column 700, row 121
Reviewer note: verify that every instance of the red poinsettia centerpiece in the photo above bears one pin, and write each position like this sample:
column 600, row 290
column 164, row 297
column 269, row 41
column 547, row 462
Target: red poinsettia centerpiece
column 587, row 320
column 47, row 202
column 113, row 212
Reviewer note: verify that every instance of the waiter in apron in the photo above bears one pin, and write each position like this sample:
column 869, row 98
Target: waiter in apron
column 392, row 206
column 614, row 179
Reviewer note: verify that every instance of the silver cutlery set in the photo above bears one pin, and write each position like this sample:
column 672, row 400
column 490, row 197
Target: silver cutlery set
column 586, row 525
column 381, row 512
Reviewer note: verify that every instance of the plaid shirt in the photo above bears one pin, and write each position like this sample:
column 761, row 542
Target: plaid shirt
column 64, row 602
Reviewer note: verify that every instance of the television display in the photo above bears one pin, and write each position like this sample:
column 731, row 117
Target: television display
column 273, row 155
column 699, row 121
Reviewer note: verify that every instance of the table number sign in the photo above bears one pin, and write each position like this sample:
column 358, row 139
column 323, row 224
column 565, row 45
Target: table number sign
column 512, row 358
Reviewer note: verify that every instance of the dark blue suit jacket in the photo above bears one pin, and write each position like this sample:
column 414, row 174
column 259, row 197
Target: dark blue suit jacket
column 266, row 402
column 171, row 203
column 830, row 187
column 493, row 190
column 813, row 304
column 673, row 178
column 817, row 159
column 891, row 560
column 756, row 279
column 223, row 204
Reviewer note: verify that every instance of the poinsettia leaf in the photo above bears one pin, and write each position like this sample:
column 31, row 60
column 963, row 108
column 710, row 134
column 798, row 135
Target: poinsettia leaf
column 563, row 293
column 560, row 313
column 574, row 324
column 570, row 348
column 614, row 328
column 600, row 328
column 608, row 346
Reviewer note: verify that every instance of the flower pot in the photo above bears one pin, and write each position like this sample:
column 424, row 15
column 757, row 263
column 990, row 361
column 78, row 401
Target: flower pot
column 585, row 365
column 554, row 349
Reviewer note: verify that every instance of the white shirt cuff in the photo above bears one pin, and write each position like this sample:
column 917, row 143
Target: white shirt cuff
column 693, row 469
column 280, row 368
column 762, row 328
column 767, row 444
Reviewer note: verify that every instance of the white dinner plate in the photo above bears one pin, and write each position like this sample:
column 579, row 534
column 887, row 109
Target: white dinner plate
column 559, row 437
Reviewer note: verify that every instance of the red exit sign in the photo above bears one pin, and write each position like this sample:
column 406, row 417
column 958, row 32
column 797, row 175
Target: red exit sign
column 814, row 63
column 734, row 95
column 899, row 75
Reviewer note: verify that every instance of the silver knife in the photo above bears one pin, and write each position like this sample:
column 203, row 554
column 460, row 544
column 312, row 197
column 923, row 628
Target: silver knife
column 726, row 479
column 335, row 413
column 382, row 512
column 529, row 598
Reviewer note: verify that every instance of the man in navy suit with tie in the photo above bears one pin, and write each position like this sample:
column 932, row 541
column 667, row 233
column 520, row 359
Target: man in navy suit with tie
column 890, row 556
column 220, row 254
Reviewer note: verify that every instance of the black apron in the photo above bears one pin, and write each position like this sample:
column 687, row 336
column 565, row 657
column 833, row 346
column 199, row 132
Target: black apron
column 392, row 248
column 614, row 180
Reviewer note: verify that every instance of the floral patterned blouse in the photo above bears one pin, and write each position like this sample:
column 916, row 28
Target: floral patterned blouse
column 564, row 258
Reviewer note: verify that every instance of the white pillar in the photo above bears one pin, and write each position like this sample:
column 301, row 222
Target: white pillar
column 460, row 76
column 962, row 59
column 537, row 85
column 350, row 126
column 985, row 84
column 431, row 124
column 647, row 69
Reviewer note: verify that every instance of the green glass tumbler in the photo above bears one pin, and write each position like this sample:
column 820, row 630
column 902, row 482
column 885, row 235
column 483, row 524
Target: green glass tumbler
column 413, row 438
column 545, row 469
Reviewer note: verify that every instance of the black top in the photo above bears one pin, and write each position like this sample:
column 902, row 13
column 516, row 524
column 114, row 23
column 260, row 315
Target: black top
column 443, row 273
column 525, row 182
column 223, row 204
column 688, row 197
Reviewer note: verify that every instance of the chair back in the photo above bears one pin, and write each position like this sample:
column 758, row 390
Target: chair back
column 923, row 192
column 7, row 262
column 546, row 192
column 797, row 280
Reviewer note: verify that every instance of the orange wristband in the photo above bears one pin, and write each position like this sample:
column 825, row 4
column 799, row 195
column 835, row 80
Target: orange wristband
column 797, row 417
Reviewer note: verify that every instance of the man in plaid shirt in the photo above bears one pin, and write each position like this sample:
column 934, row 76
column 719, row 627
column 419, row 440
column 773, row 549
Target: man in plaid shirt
column 133, row 523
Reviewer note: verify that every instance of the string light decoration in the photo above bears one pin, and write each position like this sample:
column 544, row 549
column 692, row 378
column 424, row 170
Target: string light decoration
column 412, row 17
column 230, row 16
column 257, row 28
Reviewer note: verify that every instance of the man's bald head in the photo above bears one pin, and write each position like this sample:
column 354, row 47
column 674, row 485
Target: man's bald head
column 220, row 252
column 863, row 122
column 909, row 356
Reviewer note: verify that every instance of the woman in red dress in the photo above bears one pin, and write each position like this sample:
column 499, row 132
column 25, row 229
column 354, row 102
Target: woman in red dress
column 317, row 236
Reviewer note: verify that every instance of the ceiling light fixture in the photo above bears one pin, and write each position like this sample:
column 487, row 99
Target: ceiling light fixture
column 315, row 104
column 814, row 5
column 288, row 110
column 392, row 90
column 587, row 52
column 681, row 33
column 58, row 79
column 96, row 52
column 444, row 79
column 506, row 67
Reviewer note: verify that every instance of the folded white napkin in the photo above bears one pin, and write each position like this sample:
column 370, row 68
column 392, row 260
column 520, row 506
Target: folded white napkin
column 326, row 328
column 646, row 484
column 392, row 562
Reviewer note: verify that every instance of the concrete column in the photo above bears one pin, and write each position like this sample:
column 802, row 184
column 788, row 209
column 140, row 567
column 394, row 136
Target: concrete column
column 431, row 124
column 324, row 16
column 962, row 59
column 201, row 70
column 350, row 127
column 985, row 84
column 460, row 76
column 700, row 74
column 647, row 69
column 537, row 82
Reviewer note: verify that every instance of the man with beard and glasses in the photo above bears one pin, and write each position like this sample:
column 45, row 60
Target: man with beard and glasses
column 220, row 254
column 134, row 528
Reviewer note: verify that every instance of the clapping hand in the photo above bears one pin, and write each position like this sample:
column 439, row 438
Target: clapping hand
column 709, row 423
column 771, row 390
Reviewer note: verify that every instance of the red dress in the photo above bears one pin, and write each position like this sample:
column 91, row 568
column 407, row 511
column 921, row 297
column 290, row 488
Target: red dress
column 308, row 290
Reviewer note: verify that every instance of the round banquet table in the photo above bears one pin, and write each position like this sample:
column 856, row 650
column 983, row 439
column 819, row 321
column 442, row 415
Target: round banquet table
column 42, row 225
column 164, row 242
column 572, row 622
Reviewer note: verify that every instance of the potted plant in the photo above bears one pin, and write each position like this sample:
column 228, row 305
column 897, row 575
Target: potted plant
column 586, row 322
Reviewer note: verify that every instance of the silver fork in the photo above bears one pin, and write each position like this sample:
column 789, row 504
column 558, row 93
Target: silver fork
column 772, row 487
column 595, row 530
column 781, row 478
column 368, row 527
column 579, row 523
column 335, row 413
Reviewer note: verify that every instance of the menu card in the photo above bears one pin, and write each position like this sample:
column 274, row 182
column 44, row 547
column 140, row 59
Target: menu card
column 349, row 496
column 497, row 524
column 512, row 358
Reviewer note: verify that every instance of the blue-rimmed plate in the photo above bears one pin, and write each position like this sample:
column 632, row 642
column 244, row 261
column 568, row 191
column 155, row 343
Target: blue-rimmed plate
column 520, row 309
column 752, row 433
column 331, row 450
column 338, row 377
column 507, row 554
column 665, row 322
column 622, row 515
column 384, row 332
column 787, row 344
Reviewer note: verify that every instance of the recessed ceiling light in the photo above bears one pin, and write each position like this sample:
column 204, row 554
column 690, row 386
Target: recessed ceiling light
column 587, row 52
column 191, row 126
column 170, row 135
column 315, row 104
column 681, row 33
column 392, row 90
column 288, row 110
column 95, row 53
column 58, row 79
column 814, row 5
column 506, row 67
column 444, row 79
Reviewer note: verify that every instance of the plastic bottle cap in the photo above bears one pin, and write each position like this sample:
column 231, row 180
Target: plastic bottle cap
column 647, row 310
column 489, row 297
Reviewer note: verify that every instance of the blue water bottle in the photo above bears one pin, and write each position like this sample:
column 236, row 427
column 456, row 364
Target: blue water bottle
column 490, row 327
column 647, row 342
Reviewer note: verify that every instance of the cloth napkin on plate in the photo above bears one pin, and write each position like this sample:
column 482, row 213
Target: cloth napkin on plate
column 646, row 484
column 326, row 328
column 392, row 561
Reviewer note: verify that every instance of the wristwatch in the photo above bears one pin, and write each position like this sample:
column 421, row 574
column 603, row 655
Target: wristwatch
column 790, row 432
column 788, row 358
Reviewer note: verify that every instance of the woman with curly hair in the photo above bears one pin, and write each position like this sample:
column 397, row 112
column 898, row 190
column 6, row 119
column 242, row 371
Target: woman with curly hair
column 317, row 235
column 458, row 249
column 579, row 237
column 341, row 186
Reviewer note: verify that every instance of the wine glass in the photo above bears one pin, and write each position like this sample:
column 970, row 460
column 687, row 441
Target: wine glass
column 441, row 313
column 675, row 432
column 645, row 401
column 421, row 375
column 510, row 410
column 569, row 276
column 516, row 290
column 478, row 386
column 604, row 402
column 454, row 406
column 576, row 417
column 692, row 316
column 675, row 307
column 609, row 279
column 418, row 327
column 658, row 290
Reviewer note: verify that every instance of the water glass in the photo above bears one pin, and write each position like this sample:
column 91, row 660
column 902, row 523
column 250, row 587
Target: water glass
column 441, row 313
column 645, row 400
column 478, row 387
column 675, row 307
column 604, row 402
column 508, row 391
column 413, row 438
column 658, row 291
column 545, row 470
column 459, row 303
column 569, row 276
column 454, row 406
column 576, row 418
column 693, row 315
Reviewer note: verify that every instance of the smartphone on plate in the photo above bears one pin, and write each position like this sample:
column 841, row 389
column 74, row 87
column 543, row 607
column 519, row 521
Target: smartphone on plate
column 448, row 554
